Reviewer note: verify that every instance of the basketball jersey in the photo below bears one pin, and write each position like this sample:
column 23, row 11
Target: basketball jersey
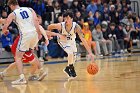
column 24, row 20
column 71, row 35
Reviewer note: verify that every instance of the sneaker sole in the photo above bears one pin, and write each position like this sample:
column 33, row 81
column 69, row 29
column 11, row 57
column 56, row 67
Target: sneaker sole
column 42, row 77
column 66, row 73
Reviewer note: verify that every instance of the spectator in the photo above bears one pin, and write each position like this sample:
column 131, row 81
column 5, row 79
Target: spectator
column 106, row 33
column 99, row 6
column 88, row 37
column 7, row 41
column 97, row 19
column 38, row 6
column 49, row 11
column 92, row 7
column 120, row 12
column 57, row 8
column 24, row 3
column 137, row 26
column 64, row 6
column 75, row 6
column 100, row 42
column 91, row 24
column 106, row 13
column 77, row 17
column 130, row 35
column 113, row 15
column 112, row 37
column 120, row 37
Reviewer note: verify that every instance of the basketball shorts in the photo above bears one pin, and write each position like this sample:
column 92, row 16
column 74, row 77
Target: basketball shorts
column 27, row 57
column 28, row 41
column 69, row 46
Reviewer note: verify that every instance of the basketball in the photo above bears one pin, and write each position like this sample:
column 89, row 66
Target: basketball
column 92, row 69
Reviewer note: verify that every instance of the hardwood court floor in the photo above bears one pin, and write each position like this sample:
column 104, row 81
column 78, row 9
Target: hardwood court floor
column 116, row 75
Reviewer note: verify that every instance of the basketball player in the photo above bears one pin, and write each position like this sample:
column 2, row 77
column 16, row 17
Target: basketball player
column 69, row 29
column 28, row 26
column 28, row 57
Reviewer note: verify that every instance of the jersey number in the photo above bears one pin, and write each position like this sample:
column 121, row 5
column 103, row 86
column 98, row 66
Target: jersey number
column 24, row 14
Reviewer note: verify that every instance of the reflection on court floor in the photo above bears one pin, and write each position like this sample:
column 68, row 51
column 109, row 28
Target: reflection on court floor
column 116, row 75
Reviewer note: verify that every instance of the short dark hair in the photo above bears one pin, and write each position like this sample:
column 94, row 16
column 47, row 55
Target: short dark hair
column 12, row 2
column 68, row 13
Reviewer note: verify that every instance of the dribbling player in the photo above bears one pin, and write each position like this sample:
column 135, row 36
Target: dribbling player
column 69, row 29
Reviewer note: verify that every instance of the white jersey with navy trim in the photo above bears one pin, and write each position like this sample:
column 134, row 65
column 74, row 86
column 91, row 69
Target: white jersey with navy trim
column 68, row 45
column 71, row 35
column 24, row 20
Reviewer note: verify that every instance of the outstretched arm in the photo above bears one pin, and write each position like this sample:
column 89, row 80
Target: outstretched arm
column 79, row 32
column 2, row 21
column 8, row 21
column 54, row 26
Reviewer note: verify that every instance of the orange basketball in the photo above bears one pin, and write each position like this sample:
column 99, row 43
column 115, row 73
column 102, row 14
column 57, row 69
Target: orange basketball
column 92, row 69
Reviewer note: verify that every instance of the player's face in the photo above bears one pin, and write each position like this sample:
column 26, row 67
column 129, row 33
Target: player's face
column 11, row 7
column 68, row 20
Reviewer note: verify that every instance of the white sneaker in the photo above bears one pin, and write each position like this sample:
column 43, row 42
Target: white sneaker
column 42, row 75
column 19, row 81
column 1, row 75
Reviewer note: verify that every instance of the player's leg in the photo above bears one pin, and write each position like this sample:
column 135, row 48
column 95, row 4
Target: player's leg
column 69, row 70
column 33, row 69
column 18, row 59
column 93, row 45
column 5, row 71
column 43, row 72
column 23, row 45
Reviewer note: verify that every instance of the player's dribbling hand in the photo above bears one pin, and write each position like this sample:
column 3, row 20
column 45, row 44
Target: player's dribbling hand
column 92, row 57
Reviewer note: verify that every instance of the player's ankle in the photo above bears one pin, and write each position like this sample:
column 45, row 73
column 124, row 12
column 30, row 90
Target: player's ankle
column 71, row 65
column 22, row 76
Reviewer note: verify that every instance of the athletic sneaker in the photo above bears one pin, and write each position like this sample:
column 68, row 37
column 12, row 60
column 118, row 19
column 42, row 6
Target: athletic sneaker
column 72, row 71
column 19, row 81
column 42, row 75
column 67, row 71
column 1, row 75
column 33, row 78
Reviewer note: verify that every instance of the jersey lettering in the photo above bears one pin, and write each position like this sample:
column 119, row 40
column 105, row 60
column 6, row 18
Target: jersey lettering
column 24, row 14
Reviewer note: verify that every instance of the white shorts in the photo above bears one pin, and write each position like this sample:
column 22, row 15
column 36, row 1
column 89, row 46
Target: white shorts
column 28, row 41
column 69, row 46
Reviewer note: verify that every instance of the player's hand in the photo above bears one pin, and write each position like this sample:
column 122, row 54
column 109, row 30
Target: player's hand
column 63, row 37
column 49, row 37
column 92, row 57
column 47, row 42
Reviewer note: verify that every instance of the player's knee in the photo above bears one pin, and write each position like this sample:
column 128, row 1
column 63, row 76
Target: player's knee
column 18, row 58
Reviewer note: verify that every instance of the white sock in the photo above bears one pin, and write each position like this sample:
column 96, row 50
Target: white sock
column 22, row 76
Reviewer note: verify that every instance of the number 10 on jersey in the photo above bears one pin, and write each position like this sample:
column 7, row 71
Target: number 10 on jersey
column 24, row 14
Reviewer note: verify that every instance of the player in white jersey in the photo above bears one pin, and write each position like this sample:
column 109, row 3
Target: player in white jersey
column 69, row 29
column 28, row 25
